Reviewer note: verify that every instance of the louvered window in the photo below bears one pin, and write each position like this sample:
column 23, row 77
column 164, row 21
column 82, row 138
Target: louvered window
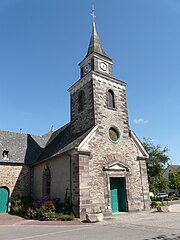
column 110, row 99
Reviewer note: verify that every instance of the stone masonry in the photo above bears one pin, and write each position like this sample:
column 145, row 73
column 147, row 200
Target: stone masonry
column 16, row 178
column 81, row 121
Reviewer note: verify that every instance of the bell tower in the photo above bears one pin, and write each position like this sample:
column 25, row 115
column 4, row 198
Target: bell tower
column 98, row 98
column 96, row 59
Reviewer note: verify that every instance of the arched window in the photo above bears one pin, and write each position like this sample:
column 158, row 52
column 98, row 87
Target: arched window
column 110, row 99
column 46, row 182
column 81, row 101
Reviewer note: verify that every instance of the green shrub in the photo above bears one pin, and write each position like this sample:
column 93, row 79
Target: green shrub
column 156, row 199
column 37, row 215
column 20, row 205
column 162, row 204
column 167, row 199
column 175, row 198
column 42, row 209
column 67, row 205
column 154, row 204
column 67, row 217
column 52, row 215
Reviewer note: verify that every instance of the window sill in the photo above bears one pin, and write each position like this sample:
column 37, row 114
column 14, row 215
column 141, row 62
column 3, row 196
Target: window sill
column 110, row 108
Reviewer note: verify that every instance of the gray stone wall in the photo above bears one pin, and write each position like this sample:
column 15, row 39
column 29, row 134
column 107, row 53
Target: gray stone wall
column 104, row 116
column 16, row 178
column 122, row 152
column 75, row 184
column 80, row 184
column 96, row 66
column 145, row 184
column 82, row 120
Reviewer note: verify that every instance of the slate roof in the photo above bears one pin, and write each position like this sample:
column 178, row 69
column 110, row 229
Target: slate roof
column 95, row 44
column 170, row 167
column 174, row 167
column 22, row 148
column 61, row 141
column 31, row 149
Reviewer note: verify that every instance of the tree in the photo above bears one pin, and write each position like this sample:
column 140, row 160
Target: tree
column 174, row 180
column 157, row 161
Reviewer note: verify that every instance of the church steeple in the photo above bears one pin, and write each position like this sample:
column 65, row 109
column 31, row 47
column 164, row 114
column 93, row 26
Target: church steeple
column 95, row 44
column 97, row 98
column 96, row 59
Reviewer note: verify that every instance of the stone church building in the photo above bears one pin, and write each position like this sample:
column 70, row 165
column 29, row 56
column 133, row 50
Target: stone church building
column 95, row 157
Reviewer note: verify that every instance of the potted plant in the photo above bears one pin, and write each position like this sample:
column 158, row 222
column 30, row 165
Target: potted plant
column 94, row 216
column 163, row 207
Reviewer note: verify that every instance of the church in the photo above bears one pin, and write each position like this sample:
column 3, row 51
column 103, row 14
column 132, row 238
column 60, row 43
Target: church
column 95, row 158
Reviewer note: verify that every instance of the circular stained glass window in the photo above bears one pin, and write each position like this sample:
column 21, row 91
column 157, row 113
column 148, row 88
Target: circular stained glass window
column 114, row 134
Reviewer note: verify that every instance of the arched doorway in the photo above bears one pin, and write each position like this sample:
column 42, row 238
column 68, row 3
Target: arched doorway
column 4, row 199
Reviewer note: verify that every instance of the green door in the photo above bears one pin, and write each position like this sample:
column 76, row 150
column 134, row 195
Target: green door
column 4, row 197
column 118, row 194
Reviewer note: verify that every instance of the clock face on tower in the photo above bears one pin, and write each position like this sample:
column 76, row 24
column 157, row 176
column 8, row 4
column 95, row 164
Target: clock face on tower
column 103, row 66
column 86, row 67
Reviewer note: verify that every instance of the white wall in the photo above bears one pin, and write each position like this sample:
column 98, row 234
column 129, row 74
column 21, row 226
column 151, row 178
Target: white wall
column 60, row 177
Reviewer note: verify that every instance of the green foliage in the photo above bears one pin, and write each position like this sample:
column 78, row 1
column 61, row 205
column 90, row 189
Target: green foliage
column 162, row 204
column 159, row 199
column 175, row 198
column 157, row 183
column 157, row 161
column 96, row 211
column 43, row 209
column 66, row 217
column 67, row 205
column 174, row 180
column 37, row 214
column 20, row 205
column 154, row 204
column 156, row 199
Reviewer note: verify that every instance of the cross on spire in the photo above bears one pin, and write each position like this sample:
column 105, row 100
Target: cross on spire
column 93, row 14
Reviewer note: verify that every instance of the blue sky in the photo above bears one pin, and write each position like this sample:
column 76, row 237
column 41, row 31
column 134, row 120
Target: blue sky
column 43, row 41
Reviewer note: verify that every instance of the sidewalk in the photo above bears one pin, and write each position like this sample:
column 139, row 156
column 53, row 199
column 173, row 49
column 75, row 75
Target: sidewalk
column 175, row 208
column 144, row 219
column 7, row 219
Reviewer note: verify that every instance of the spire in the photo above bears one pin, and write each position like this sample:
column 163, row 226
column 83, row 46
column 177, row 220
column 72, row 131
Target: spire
column 95, row 44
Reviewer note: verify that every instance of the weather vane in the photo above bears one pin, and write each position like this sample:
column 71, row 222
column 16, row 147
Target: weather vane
column 93, row 14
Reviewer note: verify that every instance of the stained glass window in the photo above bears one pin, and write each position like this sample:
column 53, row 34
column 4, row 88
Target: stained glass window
column 113, row 134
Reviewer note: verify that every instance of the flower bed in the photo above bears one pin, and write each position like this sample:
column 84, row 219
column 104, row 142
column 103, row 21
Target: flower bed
column 43, row 209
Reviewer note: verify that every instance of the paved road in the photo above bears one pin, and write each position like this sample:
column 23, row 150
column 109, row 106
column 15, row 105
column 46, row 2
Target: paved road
column 174, row 202
column 124, row 226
